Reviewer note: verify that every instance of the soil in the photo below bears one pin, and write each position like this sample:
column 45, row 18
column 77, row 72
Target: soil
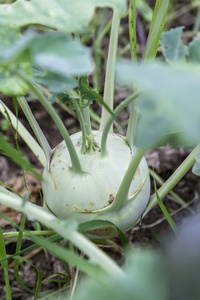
column 154, row 230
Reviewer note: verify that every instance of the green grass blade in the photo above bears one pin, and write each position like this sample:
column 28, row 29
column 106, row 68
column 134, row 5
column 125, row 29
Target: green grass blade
column 52, row 239
column 165, row 212
column 71, row 258
column 17, row 261
column 38, row 280
column 9, row 151
column 4, row 264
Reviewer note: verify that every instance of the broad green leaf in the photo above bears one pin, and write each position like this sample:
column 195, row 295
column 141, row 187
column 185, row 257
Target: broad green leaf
column 56, row 83
column 194, row 50
column 196, row 167
column 172, row 46
column 59, row 53
column 170, row 102
column 55, row 53
column 64, row 15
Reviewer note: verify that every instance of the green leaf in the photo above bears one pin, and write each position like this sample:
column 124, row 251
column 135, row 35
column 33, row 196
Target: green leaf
column 56, row 56
column 194, row 50
column 196, row 167
column 98, row 229
column 172, row 46
column 56, row 83
column 170, row 103
column 64, row 15
column 60, row 54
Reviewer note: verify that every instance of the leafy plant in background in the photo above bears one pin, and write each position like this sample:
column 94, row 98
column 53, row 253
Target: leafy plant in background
column 94, row 182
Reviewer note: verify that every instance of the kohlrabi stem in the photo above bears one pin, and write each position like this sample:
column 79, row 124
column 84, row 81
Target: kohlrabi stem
column 174, row 178
column 122, row 194
column 23, row 132
column 35, row 127
column 110, row 70
column 76, row 166
column 84, row 110
column 132, row 124
column 82, row 123
column 109, row 122
column 86, row 116
column 80, row 241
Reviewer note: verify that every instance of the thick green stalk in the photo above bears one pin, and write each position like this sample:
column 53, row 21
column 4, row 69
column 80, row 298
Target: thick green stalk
column 76, row 166
column 110, row 70
column 67, row 232
column 174, row 178
column 109, row 122
column 122, row 194
column 35, row 127
column 23, row 132
column 156, row 29
column 102, row 31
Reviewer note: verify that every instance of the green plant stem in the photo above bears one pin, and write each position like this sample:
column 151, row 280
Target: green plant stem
column 156, row 29
column 86, row 116
column 76, row 166
column 132, row 29
column 23, row 132
column 35, row 127
column 109, row 122
column 122, row 194
column 82, row 123
column 29, row 233
column 67, row 232
column 132, row 124
column 101, row 32
column 110, row 70
column 174, row 179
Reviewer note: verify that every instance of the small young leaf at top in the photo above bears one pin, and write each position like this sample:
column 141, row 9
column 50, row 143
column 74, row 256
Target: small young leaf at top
column 172, row 46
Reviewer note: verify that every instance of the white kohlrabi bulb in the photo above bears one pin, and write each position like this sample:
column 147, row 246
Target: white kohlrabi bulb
column 87, row 196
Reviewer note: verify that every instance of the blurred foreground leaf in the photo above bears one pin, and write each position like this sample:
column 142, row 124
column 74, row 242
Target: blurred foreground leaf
column 63, row 15
column 170, row 102
column 56, row 56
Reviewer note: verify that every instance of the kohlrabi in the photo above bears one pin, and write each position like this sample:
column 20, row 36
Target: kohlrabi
column 92, row 174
